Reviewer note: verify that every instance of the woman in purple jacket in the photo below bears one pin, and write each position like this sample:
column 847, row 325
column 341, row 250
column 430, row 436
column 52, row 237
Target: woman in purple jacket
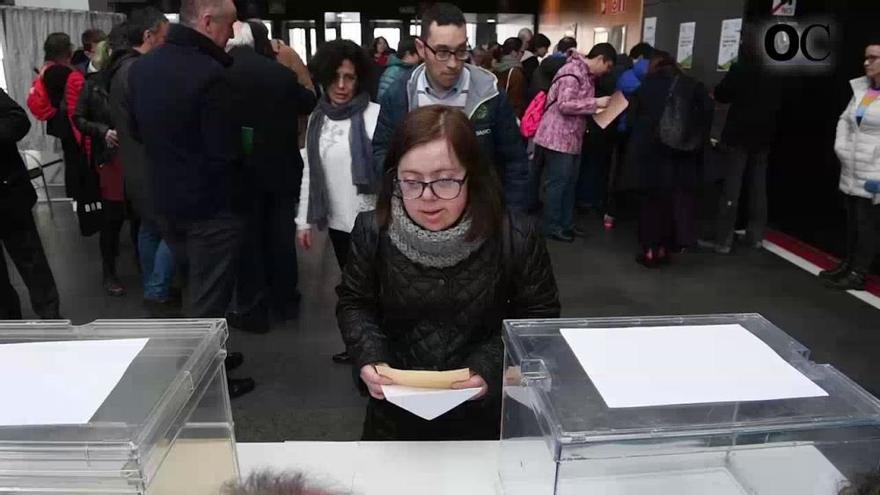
column 570, row 100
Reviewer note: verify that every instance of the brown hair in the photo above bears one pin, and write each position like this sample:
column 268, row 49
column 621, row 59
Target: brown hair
column 661, row 60
column 426, row 124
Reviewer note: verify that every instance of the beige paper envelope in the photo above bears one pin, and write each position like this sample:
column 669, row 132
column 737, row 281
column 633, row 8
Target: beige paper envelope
column 424, row 379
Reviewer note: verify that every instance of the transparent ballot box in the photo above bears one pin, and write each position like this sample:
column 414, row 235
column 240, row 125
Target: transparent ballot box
column 164, row 429
column 559, row 436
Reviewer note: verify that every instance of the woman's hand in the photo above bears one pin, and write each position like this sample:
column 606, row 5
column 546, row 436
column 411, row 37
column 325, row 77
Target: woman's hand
column 304, row 237
column 475, row 381
column 374, row 381
column 603, row 102
column 111, row 138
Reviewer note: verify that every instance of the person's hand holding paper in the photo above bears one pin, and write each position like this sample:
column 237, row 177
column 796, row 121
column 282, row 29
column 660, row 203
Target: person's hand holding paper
column 614, row 105
column 374, row 381
column 427, row 394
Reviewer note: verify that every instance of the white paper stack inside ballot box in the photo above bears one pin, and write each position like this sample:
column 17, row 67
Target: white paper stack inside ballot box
column 115, row 407
column 724, row 404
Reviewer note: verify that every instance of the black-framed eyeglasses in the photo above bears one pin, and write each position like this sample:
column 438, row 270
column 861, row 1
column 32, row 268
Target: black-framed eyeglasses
column 442, row 188
column 443, row 54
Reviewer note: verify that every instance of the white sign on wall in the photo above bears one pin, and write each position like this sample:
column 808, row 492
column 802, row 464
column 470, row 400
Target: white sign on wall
column 685, row 56
column 649, row 31
column 728, row 46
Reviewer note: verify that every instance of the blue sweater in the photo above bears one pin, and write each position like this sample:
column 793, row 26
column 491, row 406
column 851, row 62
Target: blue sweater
column 628, row 83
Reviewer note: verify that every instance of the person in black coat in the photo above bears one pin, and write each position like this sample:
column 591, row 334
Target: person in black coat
column 268, row 100
column 182, row 110
column 18, row 232
column 433, row 272
column 755, row 99
column 93, row 117
column 667, row 178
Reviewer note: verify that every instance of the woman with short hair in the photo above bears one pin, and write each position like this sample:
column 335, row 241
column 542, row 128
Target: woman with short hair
column 432, row 274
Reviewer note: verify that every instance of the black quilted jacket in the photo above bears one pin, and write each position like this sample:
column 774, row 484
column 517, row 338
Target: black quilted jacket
column 414, row 317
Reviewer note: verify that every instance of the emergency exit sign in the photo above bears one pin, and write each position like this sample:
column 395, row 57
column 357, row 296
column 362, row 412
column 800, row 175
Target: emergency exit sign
column 617, row 6
column 784, row 7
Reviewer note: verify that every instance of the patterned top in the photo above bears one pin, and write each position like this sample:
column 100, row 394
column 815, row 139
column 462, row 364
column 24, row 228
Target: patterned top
column 870, row 96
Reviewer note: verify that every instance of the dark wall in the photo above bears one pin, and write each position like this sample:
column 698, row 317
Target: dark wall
column 804, row 171
column 708, row 16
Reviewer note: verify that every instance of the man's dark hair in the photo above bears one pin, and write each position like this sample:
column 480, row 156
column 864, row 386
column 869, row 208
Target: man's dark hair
column 406, row 46
column 540, row 41
column 510, row 45
column 330, row 56
column 642, row 49
column 873, row 39
column 145, row 19
column 92, row 37
column 566, row 44
column 605, row 50
column 119, row 37
column 443, row 14
column 57, row 47
column 262, row 45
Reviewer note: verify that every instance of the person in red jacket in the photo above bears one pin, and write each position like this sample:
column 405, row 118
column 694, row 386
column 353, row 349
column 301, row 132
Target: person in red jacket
column 52, row 99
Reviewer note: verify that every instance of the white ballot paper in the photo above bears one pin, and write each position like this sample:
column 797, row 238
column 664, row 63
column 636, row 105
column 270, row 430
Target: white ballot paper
column 61, row 383
column 426, row 403
column 659, row 366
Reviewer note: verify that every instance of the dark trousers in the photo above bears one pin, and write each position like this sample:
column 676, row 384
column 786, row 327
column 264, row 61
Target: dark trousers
column 22, row 241
column 743, row 165
column 667, row 219
column 113, row 218
column 267, row 270
column 862, row 231
column 211, row 248
column 341, row 244
column 561, row 175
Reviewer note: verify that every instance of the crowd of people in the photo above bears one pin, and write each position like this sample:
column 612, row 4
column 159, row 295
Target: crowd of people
column 437, row 170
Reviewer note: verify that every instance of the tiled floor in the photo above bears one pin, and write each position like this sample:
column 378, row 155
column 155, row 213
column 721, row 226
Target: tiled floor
column 302, row 395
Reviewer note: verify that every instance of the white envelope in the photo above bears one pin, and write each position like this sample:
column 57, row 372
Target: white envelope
column 426, row 403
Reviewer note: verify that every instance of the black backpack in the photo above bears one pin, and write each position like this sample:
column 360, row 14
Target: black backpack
column 681, row 125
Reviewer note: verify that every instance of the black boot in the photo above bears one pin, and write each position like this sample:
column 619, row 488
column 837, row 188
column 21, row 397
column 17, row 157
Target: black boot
column 851, row 280
column 840, row 270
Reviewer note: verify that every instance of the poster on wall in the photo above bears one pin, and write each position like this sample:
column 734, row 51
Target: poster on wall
column 728, row 47
column 685, row 57
column 649, row 31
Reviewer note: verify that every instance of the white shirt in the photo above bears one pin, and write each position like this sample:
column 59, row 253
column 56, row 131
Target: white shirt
column 344, row 202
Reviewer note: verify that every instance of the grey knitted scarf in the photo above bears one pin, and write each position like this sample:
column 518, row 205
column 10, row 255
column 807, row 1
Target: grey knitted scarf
column 362, row 174
column 432, row 249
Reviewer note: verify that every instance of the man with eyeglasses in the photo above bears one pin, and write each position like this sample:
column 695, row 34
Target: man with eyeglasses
column 445, row 78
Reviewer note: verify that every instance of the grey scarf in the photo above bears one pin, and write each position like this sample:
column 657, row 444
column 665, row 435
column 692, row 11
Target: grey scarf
column 432, row 249
column 362, row 173
column 506, row 63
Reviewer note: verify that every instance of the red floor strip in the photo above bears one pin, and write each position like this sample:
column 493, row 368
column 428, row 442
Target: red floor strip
column 815, row 256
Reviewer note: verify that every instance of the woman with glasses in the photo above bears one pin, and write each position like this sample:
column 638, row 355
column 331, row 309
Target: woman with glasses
column 857, row 145
column 432, row 274
column 339, row 180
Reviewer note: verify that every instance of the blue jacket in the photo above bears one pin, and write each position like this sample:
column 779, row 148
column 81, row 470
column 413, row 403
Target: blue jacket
column 182, row 111
column 628, row 83
column 492, row 117
column 396, row 69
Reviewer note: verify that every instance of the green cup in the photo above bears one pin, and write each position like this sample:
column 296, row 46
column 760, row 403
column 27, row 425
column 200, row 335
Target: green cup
column 247, row 140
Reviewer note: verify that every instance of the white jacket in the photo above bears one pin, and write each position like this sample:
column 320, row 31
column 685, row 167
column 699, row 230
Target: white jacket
column 344, row 203
column 858, row 146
